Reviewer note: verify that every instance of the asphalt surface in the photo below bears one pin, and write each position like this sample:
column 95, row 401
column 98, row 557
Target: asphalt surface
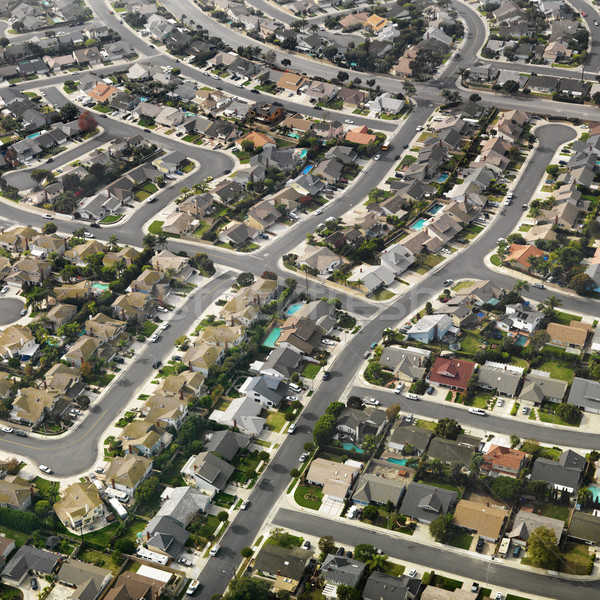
column 494, row 574
column 10, row 309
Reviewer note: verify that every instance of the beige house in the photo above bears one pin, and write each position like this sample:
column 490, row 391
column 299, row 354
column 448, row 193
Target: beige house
column 80, row 506
column 104, row 328
column 144, row 438
column 168, row 411
column 81, row 350
column 201, row 356
column 17, row 340
column 60, row 314
column 573, row 336
column 239, row 310
column 185, row 385
column 335, row 478
column 487, row 521
column 125, row 256
column 179, row 223
column 32, row 405
column 61, row 378
column 72, row 291
column 78, row 253
column 166, row 261
column 125, row 473
column 133, row 304
column 222, row 336
column 16, row 494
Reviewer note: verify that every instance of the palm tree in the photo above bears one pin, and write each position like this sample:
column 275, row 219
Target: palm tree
column 389, row 335
column 314, row 28
column 113, row 242
column 170, row 273
column 162, row 240
column 377, row 562
column 201, row 187
column 409, row 88
column 520, row 286
column 549, row 304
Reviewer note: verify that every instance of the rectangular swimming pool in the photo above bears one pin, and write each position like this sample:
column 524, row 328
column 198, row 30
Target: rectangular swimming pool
column 435, row 209
column 272, row 338
column 418, row 224
column 307, row 169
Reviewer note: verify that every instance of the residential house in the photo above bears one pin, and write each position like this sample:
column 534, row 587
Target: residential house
column 499, row 460
column 243, row 414
column 125, row 473
column 87, row 580
column 360, row 135
column 201, row 356
column 503, row 378
column 377, row 490
column 133, row 305
column 566, row 474
column 320, row 259
column 144, row 438
column 267, row 113
column 425, row 503
column 207, row 472
column 226, row 444
column 80, row 506
column 573, row 337
column 238, row 234
column 72, row 291
column 521, row 317
column 585, row 527
column 17, row 340
column 585, row 394
column 286, row 567
column 487, row 522
column 170, row 162
column 179, row 223
column 538, row 385
column 262, row 215
column 104, row 327
column 300, row 335
column 164, row 536
column 416, row 438
column 341, row 570
column 132, row 586
column 452, row 451
column 381, row 586
column 354, row 424
column 526, row 522
column 307, row 184
column 267, row 391
column 408, row 364
column 165, row 261
column 30, row 560
column 430, row 327
column 16, row 495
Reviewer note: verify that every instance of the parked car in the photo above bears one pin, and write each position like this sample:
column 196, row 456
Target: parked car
column 305, row 545
column 474, row 587
column 326, row 376
column 20, row 433
column 292, row 428
column 185, row 561
column 398, row 388
column 517, row 551
column 34, row 583
column 448, row 282
column 215, row 549
column 539, row 286
column 412, row 396
column 119, row 360
column 340, row 551
column 412, row 573
column 245, row 504
column 46, row 469
column 303, row 457
column 479, row 546
column 154, row 337
column 371, row 401
column 7, row 429
column 500, row 402
column 23, row 312
column 194, row 584
column 430, row 390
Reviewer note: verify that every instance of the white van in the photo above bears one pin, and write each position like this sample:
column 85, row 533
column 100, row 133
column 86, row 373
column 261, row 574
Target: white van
column 477, row 411
column 295, row 388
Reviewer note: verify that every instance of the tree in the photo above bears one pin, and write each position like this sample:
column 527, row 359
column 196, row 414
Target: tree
column 582, row 283
column 245, row 279
column 370, row 512
column 391, row 412
column 519, row 286
column 448, row 428
column 335, row 408
column 364, row 552
column 514, row 441
column 552, row 170
column 568, row 412
column 441, row 528
column 87, row 122
column 346, row 592
column 542, row 549
column 511, row 86
column 42, row 508
column 474, row 97
column 377, row 562
column 223, row 516
column 125, row 546
column 327, row 544
column 38, row 175
column 538, row 340
column 246, row 552
column 244, row 588
column 342, row 76
column 147, row 490
column 49, row 228
column 69, row 112
column 324, row 430
column 295, row 473
column 429, row 308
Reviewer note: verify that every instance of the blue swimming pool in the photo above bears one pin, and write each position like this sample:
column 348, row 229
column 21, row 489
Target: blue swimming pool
column 435, row 209
column 294, row 308
column 520, row 340
column 397, row 461
column 303, row 152
column 272, row 337
column 442, row 178
column 33, row 135
column 595, row 491
column 418, row 224
column 308, row 169
column 352, row 448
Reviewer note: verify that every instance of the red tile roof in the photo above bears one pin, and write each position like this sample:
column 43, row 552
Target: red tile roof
column 500, row 458
column 452, row 372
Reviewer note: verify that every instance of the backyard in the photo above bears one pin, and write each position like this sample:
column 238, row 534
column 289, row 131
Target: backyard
column 556, row 369
column 576, row 559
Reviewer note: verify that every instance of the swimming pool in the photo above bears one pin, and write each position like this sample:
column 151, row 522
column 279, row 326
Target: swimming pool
column 100, row 286
column 272, row 337
column 418, row 224
column 308, row 169
column 352, row 448
column 397, row 461
column 435, row 208
column 303, row 152
column 294, row 308
column 442, row 178
column 595, row 491
column 33, row 135
column 520, row 340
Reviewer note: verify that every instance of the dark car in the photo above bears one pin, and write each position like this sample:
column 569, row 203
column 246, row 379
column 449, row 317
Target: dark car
column 34, row 583
column 318, row 108
column 226, row 171
column 340, row 551
column 95, row 225
column 20, row 433
column 119, row 360
column 147, row 130
column 430, row 390
column 479, row 546
column 517, row 551
column 326, row 376
column 176, row 357
column 254, row 92
column 50, row 160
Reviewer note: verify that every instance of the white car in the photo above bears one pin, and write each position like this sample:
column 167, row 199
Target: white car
column 412, row 396
column 154, row 337
column 215, row 77
column 46, row 469
column 245, row 504
column 319, row 211
column 500, row 402
column 4, row 289
column 372, row 401
column 303, row 457
column 42, row 93
column 377, row 157
column 239, row 85
column 7, row 429
column 47, row 216
column 412, row 573
column 162, row 309
column 88, row 235
column 419, row 128
column 349, row 121
column 448, row 282
column 499, row 596
column 398, row 388
column 327, row 342
column 193, row 586
column 215, row 549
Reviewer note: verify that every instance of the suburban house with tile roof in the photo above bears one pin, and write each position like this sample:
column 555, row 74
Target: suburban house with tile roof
column 80, row 506
column 486, row 521
column 503, row 461
column 452, row 373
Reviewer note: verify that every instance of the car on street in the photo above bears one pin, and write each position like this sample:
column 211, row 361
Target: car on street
column 412, row 396
column 373, row 345
column 95, row 225
column 185, row 561
column 349, row 122
column 162, row 309
column 47, row 216
column 46, row 469
column 583, row 13
column 292, row 428
column 215, row 549
column 88, row 235
column 377, row 157
column 371, row 401
column 303, row 457
column 412, row 573
column 524, row 207
column 7, row 429
column 539, row 286
column 319, row 211
column 195, row 584
column 326, row 375
column 23, row 312
column 448, row 282
column 154, row 337
column 207, row 179
column 419, row 128
column 398, row 388
column 596, row 23
column 245, row 504
column 500, row 240
column 20, row 433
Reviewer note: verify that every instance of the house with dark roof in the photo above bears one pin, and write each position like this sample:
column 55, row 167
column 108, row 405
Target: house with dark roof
column 502, row 378
column 267, row 391
column 566, row 474
column 585, row 394
column 207, row 472
column 407, row 435
column 165, row 536
column 425, row 503
column 585, row 527
column 281, row 363
column 29, row 559
column 527, row 521
column 353, row 424
column 538, row 385
column 283, row 565
column 408, row 364
column 341, row 570
column 226, row 444
column 373, row 489
column 381, row 586
column 451, row 451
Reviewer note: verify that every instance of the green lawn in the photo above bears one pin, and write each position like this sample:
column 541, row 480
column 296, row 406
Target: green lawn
column 19, row 536
column 156, row 227
column 204, row 526
column 565, row 318
column 428, row 262
column 472, row 231
column 111, row 218
column 309, row 496
column 555, row 511
column 100, row 559
column 103, row 108
column 481, row 400
column 495, row 260
column 140, row 196
column 440, row 484
column 103, row 536
column 461, row 539
column 470, row 342
column 149, row 328
column 311, row 370
column 285, row 540
column 426, row 424
column 275, row 421
column 513, row 597
column 393, row 569
column 556, row 370
column 382, row 295
column 462, row 284
column 45, row 487
column 575, row 559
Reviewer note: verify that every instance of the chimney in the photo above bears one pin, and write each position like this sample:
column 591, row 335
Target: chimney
column 130, row 449
column 235, row 424
column 112, row 481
